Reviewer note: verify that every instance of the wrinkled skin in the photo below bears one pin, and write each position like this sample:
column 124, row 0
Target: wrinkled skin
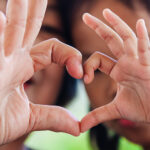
column 19, row 60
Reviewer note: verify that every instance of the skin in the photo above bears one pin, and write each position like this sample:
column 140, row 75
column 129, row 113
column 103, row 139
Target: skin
column 117, row 84
column 16, row 90
column 44, row 85
column 17, row 53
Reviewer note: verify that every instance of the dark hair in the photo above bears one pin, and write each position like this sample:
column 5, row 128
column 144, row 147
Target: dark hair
column 130, row 3
column 68, row 90
column 66, row 9
column 100, row 137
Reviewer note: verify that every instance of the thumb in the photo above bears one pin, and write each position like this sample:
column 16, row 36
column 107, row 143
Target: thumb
column 53, row 118
column 99, row 115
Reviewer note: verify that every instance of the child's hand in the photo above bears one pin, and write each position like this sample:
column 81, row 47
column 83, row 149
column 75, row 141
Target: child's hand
column 130, row 70
column 19, row 61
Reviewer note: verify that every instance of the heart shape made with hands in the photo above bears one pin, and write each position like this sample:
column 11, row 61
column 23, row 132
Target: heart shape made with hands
column 19, row 59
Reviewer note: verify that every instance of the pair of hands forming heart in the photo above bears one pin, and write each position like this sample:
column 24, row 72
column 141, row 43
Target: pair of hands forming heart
column 19, row 59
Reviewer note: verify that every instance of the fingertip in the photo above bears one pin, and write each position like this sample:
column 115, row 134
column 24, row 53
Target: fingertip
column 108, row 14
column 87, row 79
column 84, row 16
column 74, row 128
column 87, row 18
column 88, row 73
column 141, row 29
column 140, row 22
column 138, row 25
column 74, row 67
column 106, row 11
column 77, row 131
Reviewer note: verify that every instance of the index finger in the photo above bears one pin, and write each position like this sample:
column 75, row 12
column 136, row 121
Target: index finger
column 54, row 51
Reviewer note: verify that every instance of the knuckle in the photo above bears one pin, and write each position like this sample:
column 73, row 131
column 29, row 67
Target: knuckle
column 107, row 37
column 125, row 37
column 96, row 27
column 78, row 54
column 95, row 55
column 53, row 42
column 88, row 65
column 85, row 65
column 142, row 50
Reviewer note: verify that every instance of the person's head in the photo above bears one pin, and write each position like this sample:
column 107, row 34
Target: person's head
column 103, row 89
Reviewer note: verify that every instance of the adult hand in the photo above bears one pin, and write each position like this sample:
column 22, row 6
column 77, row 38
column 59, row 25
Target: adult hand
column 130, row 70
column 18, row 62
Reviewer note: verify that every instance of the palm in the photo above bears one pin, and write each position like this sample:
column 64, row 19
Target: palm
column 132, row 88
column 19, row 59
column 131, row 70
column 15, row 103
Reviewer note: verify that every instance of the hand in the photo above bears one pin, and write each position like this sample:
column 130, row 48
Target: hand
column 18, row 62
column 130, row 70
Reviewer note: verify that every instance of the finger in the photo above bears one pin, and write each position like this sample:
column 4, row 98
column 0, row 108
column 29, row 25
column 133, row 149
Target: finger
column 125, row 32
column 112, row 39
column 2, row 28
column 143, row 43
column 99, row 115
column 97, row 61
column 15, row 27
column 36, row 13
column 57, row 52
column 53, row 118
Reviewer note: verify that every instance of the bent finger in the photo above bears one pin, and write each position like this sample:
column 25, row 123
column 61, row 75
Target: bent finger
column 97, row 61
column 54, row 51
column 52, row 118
